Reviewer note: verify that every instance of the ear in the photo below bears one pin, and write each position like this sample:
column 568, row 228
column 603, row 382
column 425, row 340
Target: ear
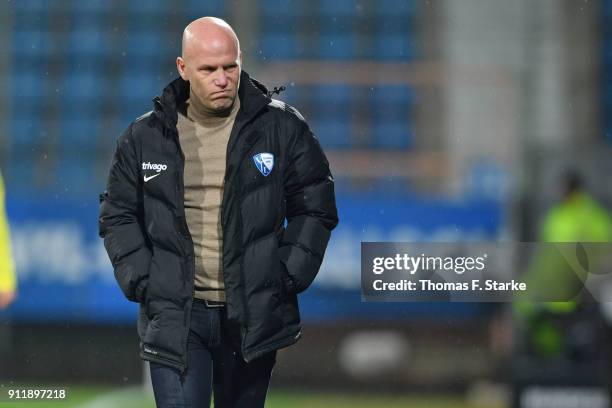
column 180, row 67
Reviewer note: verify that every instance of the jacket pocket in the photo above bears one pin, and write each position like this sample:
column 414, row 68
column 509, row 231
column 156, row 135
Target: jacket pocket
column 285, row 283
column 141, row 290
column 143, row 321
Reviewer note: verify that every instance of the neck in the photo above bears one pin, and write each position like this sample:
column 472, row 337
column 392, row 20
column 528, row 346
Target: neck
column 198, row 112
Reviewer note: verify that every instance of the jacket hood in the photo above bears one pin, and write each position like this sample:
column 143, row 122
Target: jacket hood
column 253, row 97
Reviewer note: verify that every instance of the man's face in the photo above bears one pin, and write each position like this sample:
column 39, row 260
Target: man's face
column 213, row 71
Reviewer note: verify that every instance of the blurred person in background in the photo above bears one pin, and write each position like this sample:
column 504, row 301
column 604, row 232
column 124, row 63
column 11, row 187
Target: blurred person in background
column 577, row 218
column 193, row 222
column 8, row 280
column 562, row 342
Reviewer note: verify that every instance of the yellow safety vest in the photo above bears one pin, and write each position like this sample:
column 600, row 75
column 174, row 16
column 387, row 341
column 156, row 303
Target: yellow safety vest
column 578, row 219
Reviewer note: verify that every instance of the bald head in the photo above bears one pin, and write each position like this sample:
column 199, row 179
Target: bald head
column 209, row 34
column 211, row 61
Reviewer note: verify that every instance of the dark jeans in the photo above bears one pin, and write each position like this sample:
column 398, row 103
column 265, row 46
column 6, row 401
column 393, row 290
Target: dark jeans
column 212, row 365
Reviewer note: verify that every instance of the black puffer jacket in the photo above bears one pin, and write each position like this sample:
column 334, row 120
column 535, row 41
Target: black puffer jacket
column 266, row 261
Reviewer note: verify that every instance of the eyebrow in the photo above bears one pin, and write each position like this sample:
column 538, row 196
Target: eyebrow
column 233, row 64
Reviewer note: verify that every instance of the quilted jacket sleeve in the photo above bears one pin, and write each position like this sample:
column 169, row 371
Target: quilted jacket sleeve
column 120, row 221
column 311, row 211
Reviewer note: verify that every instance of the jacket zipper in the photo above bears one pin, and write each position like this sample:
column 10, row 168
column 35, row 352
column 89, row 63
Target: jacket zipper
column 243, row 329
column 190, row 256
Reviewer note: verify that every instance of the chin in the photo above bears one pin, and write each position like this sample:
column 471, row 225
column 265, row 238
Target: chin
column 222, row 105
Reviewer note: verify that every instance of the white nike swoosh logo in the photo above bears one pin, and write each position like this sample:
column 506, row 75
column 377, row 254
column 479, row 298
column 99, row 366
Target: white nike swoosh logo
column 149, row 178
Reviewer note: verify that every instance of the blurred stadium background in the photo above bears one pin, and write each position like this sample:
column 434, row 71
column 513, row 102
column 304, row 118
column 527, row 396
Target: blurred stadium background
column 444, row 120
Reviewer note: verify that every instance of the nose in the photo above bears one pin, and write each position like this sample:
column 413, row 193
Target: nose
column 221, row 78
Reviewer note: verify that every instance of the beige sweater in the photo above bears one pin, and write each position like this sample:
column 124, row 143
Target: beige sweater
column 204, row 141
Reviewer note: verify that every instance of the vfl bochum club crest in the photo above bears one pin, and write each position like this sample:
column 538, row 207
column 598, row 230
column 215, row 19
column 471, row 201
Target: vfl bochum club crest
column 264, row 162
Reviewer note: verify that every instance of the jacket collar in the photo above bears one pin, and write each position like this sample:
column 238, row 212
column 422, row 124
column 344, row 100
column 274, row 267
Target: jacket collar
column 253, row 97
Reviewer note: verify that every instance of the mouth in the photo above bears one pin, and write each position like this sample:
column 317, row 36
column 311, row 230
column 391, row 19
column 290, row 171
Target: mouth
column 221, row 94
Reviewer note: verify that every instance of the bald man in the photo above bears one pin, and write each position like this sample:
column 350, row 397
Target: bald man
column 217, row 213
